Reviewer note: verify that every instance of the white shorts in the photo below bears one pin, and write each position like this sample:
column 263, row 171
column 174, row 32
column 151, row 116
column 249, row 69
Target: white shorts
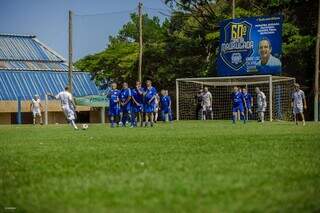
column 36, row 112
column 297, row 109
column 68, row 112
column 206, row 108
column 261, row 109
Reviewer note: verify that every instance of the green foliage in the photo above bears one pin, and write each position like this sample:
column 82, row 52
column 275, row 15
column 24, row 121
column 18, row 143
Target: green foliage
column 186, row 45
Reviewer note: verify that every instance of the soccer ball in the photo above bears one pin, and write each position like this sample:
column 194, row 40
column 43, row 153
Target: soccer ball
column 85, row 126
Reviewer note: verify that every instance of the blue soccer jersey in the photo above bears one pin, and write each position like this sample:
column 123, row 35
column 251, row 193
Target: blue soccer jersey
column 114, row 107
column 248, row 98
column 165, row 102
column 124, row 95
column 149, row 96
column 137, row 95
column 237, row 101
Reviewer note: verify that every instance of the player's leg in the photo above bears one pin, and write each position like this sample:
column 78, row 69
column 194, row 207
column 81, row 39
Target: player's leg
column 242, row 116
column 140, row 118
column 247, row 114
column 170, row 116
column 146, row 119
column 71, row 117
column 40, row 119
column 295, row 117
column 151, row 119
column 112, row 121
column 262, row 116
column 234, row 113
column 302, row 118
column 131, row 118
column 134, row 116
column 163, row 116
column 210, row 112
column 124, row 118
column 112, row 114
column 120, row 117
column 34, row 119
column 156, row 114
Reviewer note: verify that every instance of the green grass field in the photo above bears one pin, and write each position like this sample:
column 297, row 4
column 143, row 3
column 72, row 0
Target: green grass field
column 188, row 167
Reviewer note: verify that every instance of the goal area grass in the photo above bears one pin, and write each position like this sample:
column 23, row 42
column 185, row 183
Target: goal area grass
column 190, row 166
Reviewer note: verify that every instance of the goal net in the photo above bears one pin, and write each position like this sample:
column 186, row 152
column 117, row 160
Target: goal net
column 277, row 90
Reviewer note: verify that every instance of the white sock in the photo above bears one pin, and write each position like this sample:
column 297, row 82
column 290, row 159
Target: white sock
column 74, row 124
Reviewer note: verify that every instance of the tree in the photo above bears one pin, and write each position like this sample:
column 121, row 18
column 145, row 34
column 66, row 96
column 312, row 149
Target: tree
column 187, row 44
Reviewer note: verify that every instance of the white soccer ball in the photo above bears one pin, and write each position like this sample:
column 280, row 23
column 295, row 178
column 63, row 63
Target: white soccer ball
column 85, row 126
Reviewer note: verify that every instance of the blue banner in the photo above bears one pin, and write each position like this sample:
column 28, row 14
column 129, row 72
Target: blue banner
column 250, row 46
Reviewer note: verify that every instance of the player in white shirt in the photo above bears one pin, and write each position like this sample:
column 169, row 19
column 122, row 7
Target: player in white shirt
column 298, row 103
column 35, row 108
column 207, row 104
column 261, row 104
column 67, row 105
column 156, row 108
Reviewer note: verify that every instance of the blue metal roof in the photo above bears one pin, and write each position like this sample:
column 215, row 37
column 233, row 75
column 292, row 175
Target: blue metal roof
column 25, row 47
column 33, row 65
column 25, row 84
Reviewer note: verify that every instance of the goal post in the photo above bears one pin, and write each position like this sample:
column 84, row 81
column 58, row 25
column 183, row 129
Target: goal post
column 277, row 89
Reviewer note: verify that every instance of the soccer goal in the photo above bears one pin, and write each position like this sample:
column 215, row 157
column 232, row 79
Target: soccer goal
column 276, row 88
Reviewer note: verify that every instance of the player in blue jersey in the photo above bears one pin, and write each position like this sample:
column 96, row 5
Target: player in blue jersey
column 114, row 107
column 237, row 104
column 125, row 104
column 165, row 106
column 149, row 102
column 249, row 102
column 137, row 104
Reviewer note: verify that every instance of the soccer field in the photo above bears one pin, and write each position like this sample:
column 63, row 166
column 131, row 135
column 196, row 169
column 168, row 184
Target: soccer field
column 192, row 166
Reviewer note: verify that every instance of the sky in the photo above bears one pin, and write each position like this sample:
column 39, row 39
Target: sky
column 94, row 21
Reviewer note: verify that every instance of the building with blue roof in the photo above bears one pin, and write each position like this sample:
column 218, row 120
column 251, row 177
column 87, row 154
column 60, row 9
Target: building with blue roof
column 29, row 67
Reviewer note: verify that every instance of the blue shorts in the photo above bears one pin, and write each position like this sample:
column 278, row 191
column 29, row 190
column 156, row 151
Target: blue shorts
column 236, row 108
column 149, row 108
column 114, row 111
column 126, row 108
column 248, row 105
column 165, row 110
column 136, row 109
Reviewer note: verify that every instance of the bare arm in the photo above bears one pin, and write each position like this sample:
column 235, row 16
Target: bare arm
column 127, row 100
column 152, row 99
column 134, row 100
column 50, row 95
column 245, row 103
